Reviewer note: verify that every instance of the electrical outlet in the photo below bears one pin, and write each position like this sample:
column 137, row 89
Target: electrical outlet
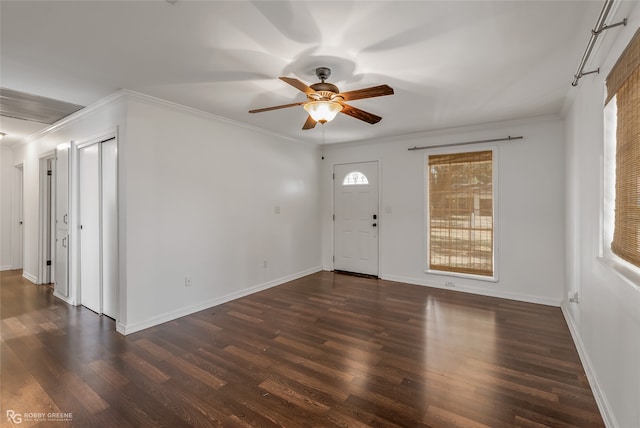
column 187, row 281
column 450, row 284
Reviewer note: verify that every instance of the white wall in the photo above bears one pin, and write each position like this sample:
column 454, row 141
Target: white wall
column 530, row 208
column 200, row 202
column 606, row 322
column 6, row 191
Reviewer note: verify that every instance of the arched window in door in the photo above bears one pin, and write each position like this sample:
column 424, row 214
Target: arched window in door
column 355, row 178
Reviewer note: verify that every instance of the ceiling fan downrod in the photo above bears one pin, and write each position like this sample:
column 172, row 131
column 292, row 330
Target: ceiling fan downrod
column 323, row 73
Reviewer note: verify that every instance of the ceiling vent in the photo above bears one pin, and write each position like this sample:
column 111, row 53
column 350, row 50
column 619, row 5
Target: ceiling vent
column 20, row 105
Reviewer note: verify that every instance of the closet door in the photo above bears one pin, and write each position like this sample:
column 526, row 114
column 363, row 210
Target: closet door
column 62, row 263
column 109, row 229
column 62, row 187
column 89, row 198
column 62, row 220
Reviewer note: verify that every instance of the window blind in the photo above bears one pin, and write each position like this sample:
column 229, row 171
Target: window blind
column 624, row 83
column 460, row 200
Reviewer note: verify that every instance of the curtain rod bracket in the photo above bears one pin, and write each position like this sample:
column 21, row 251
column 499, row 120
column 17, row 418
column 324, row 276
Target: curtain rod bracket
column 584, row 73
column 606, row 27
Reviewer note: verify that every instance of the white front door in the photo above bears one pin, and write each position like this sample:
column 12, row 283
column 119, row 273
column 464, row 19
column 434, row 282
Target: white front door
column 356, row 217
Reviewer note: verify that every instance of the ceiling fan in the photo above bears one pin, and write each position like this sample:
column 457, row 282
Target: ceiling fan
column 325, row 101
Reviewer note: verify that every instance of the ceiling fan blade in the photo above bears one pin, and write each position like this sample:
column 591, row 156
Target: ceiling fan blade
column 374, row 91
column 360, row 114
column 309, row 124
column 298, row 85
column 260, row 110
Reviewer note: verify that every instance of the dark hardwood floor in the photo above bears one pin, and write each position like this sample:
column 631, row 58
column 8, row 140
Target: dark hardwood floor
column 325, row 350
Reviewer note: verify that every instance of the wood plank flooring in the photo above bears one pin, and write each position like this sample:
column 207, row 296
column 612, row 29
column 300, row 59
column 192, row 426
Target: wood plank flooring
column 327, row 350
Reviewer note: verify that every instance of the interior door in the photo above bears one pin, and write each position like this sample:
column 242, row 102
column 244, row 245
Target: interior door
column 89, row 188
column 356, row 217
column 62, row 262
column 62, row 187
column 62, row 219
column 49, row 247
column 18, row 249
column 109, row 228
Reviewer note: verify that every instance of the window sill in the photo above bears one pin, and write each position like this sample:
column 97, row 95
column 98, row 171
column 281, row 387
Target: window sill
column 626, row 271
column 462, row 275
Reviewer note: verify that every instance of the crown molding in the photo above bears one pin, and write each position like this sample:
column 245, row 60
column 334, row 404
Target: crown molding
column 443, row 132
column 138, row 96
column 127, row 94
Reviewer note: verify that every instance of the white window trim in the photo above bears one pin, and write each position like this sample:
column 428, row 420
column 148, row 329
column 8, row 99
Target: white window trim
column 425, row 252
column 625, row 270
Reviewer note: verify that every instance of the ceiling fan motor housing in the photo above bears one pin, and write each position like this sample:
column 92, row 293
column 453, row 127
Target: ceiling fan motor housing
column 325, row 90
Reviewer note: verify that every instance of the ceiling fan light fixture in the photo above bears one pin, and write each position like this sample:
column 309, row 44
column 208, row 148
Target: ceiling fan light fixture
column 323, row 111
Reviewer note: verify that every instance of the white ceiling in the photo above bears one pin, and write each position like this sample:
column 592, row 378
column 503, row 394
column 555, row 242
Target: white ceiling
column 451, row 63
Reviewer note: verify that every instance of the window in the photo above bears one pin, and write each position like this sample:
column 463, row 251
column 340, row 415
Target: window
column 355, row 178
column 623, row 90
column 460, row 213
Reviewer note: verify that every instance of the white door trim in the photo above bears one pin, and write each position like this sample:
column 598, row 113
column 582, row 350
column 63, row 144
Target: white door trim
column 44, row 218
column 17, row 216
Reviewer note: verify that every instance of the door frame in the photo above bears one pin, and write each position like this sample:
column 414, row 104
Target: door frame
column 46, row 219
column 333, row 209
column 17, row 215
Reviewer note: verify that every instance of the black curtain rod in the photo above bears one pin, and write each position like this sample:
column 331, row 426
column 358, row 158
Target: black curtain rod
column 509, row 138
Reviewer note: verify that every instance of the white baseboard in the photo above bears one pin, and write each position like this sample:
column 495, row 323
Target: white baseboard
column 65, row 299
column 30, row 277
column 598, row 394
column 490, row 292
column 122, row 328
column 8, row 267
column 125, row 328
